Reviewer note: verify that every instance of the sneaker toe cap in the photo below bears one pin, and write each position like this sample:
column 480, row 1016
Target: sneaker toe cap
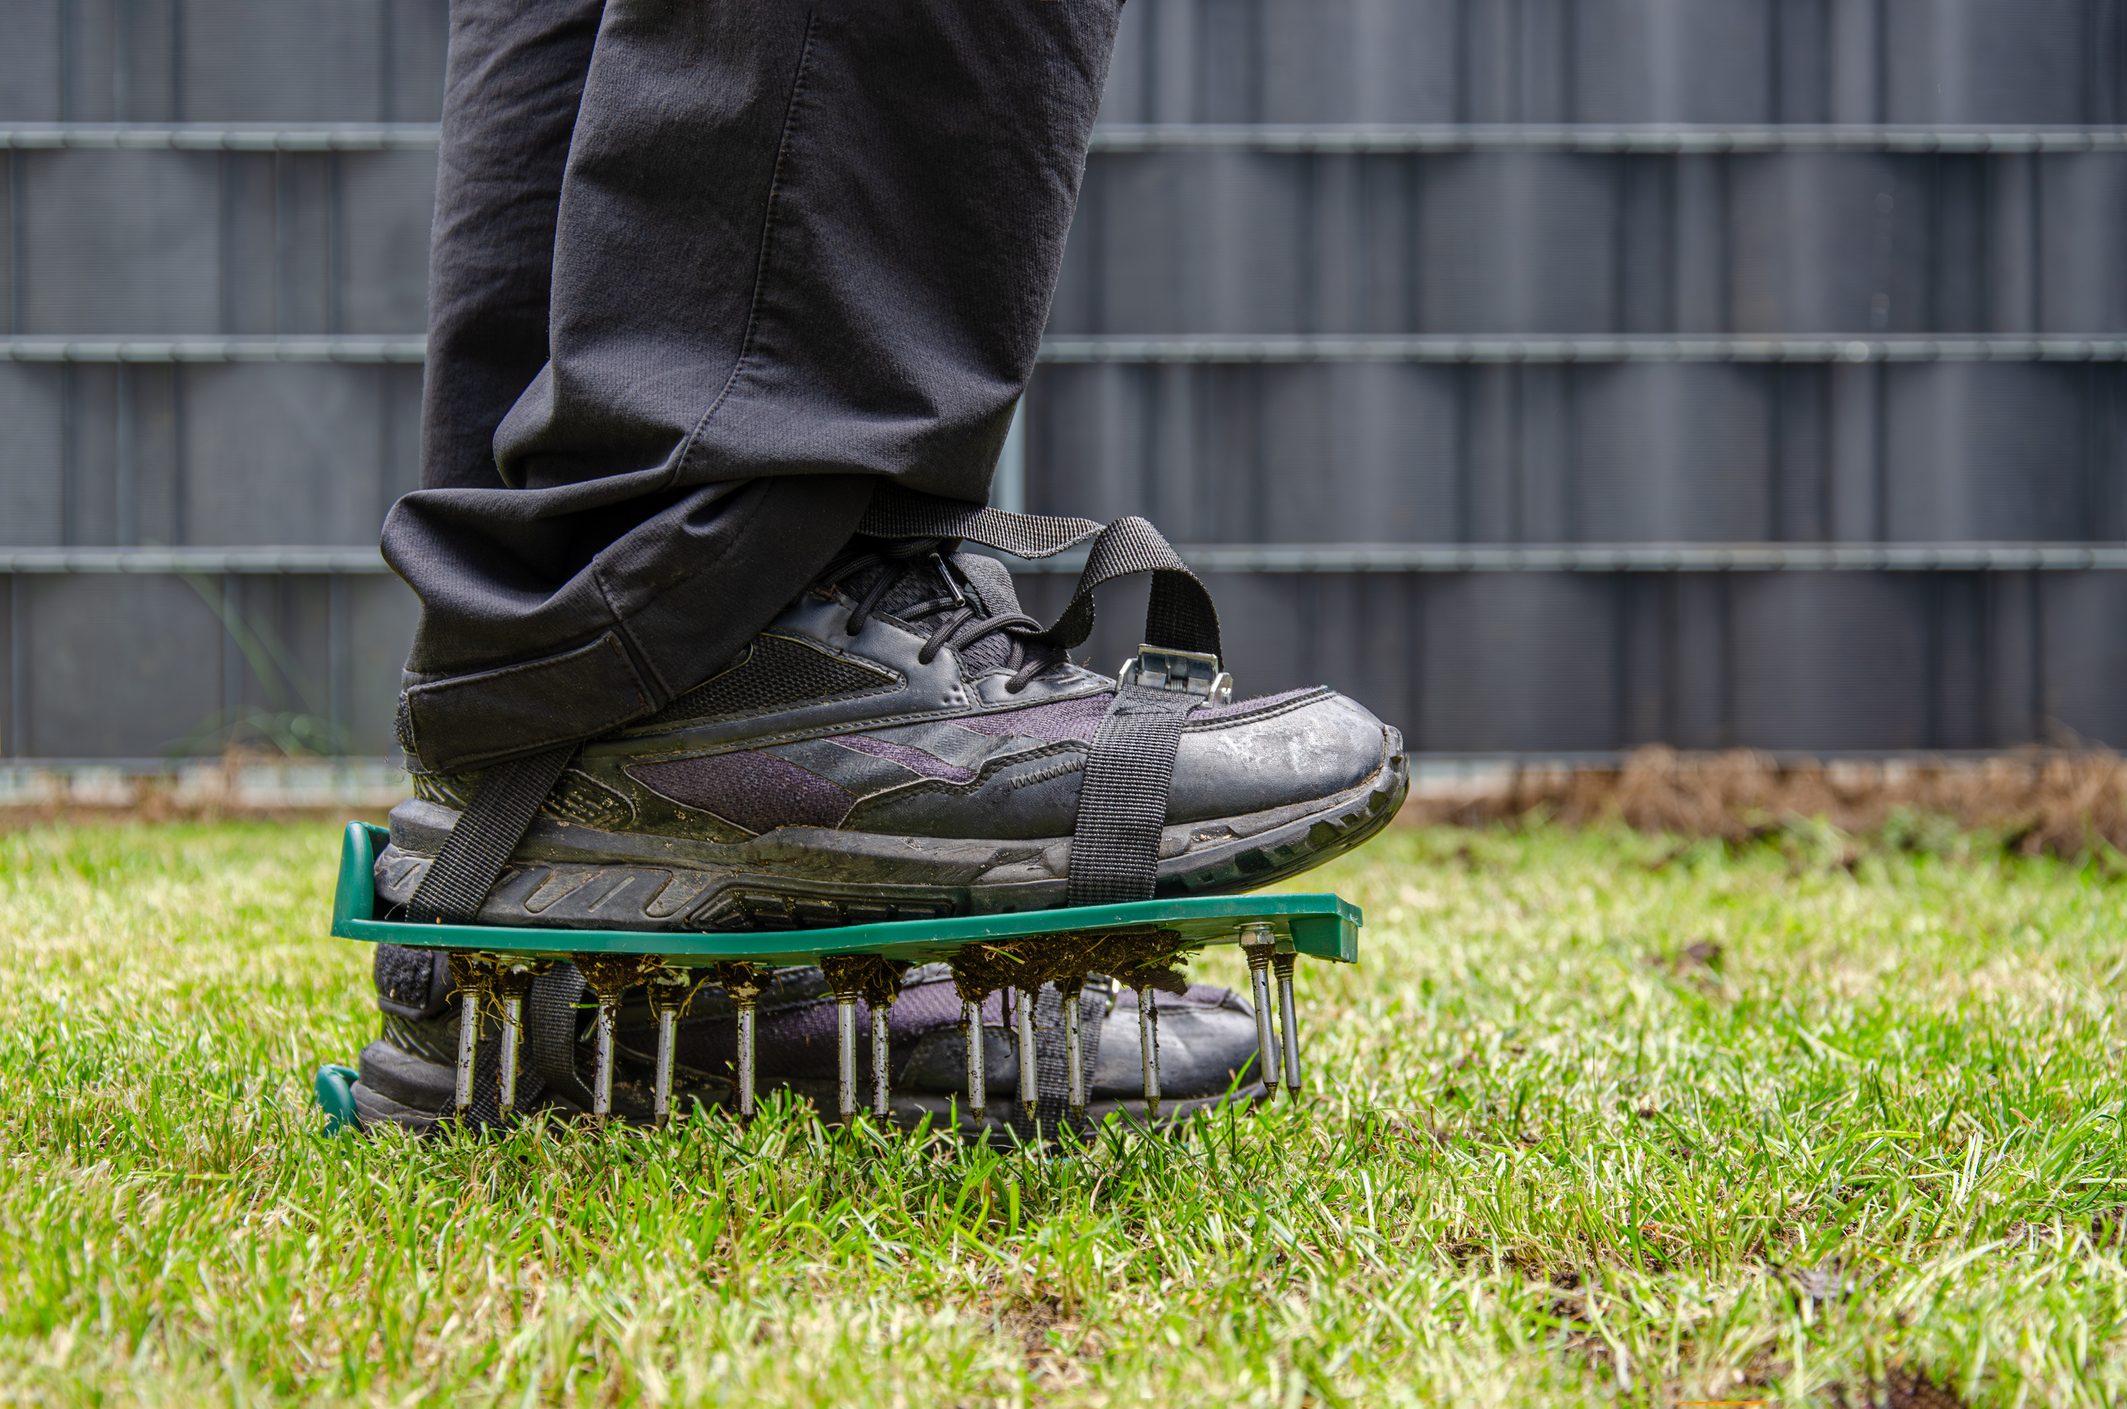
column 1280, row 752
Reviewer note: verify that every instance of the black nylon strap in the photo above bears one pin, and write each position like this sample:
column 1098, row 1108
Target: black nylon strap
column 1181, row 615
column 1052, row 1106
column 487, row 1069
column 1122, row 796
column 552, row 1011
column 489, row 829
column 1094, row 1001
column 904, row 513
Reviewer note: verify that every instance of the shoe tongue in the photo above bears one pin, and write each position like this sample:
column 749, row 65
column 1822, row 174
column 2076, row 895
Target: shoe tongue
column 916, row 581
column 989, row 584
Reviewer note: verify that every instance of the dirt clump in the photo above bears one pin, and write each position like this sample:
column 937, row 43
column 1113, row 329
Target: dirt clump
column 2065, row 803
column 1901, row 1388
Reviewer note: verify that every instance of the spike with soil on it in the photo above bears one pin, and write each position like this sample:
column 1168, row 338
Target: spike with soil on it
column 609, row 976
column 743, row 983
column 670, row 990
column 512, row 981
column 472, row 979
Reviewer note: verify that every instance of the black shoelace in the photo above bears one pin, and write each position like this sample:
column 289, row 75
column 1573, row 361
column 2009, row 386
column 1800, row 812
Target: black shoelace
column 954, row 619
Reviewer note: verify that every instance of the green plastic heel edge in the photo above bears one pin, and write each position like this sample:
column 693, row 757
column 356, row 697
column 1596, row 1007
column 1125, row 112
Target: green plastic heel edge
column 335, row 1091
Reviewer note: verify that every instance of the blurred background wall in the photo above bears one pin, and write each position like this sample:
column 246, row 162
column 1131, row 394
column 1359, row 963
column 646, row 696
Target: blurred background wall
column 1556, row 376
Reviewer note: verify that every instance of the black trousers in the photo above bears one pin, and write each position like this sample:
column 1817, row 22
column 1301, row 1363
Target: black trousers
column 704, row 273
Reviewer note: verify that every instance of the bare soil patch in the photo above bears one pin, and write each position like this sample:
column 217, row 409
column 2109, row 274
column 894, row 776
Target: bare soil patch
column 2058, row 803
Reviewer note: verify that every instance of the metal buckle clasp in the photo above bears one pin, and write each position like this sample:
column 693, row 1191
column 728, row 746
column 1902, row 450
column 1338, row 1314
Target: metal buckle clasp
column 1187, row 672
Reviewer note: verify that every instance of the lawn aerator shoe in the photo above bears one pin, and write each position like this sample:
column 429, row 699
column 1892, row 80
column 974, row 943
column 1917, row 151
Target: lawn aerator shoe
column 903, row 769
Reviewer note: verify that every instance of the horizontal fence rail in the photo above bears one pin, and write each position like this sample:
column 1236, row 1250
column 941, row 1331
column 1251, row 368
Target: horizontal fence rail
column 1659, row 139
column 1263, row 558
column 1231, row 348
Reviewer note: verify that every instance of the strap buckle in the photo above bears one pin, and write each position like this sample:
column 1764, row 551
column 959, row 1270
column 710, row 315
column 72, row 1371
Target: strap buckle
column 1185, row 672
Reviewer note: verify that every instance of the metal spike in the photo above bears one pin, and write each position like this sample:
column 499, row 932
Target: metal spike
column 1148, row 1047
column 602, row 1059
column 667, row 1042
column 512, row 980
column 1074, row 1053
column 473, row 974
column 881, row 1096
column 609, row 977
column 846, row 1056
column 512, row 1044
column 978, row 1081
column 1259, row 941
column 1029, row 1074
column 468, row 1050
column 1289, row 1021
column 742, row 985
column 669, row 989
column 744, row 998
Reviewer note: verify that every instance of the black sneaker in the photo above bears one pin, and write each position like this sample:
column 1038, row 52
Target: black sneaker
column 407, row 1076
column 901, row 744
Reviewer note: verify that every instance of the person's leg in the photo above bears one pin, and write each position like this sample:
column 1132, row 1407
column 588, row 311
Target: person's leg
column 799, row 249
column 511, row 88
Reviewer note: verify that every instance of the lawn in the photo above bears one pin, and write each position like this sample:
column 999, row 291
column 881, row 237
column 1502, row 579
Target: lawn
column 1600, row 1118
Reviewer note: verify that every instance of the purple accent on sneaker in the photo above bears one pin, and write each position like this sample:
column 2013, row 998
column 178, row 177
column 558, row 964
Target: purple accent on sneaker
column 757, row 791
column 1261, row 702
column 1064, row 720
column 914, row 760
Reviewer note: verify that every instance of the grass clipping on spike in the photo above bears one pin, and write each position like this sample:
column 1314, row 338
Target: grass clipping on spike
column 1143, row 957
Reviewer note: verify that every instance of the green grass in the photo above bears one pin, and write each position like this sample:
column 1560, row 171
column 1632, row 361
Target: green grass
column 1599, row 1119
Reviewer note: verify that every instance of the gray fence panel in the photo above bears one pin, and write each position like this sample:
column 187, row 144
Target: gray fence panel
column 145, row 242
column 30, row 79
column 283, row 62
column 1603, row 61
column 124, row 667
column 1620, row 61
column 2082, row 231
column 2011, row 451
column 1677, row 61
column 1521, row 445
column 297, row 453
column 1535, row 242
column 1973, row 61
column 385, row 204
column 246, row 454
column 1823, row 657
column 1649, row 452
column 2083, row 659
column 1219, row 242
column 314, row 656
column 117, row 242
column 222, row 61
column 1586, row 662
column 31, row 509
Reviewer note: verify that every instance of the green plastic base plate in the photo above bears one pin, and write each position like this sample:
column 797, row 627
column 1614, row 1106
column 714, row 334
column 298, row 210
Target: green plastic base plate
column 1322, row 926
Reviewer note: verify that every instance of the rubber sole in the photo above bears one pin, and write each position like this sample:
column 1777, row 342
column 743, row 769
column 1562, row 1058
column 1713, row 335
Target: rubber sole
column 572, row 877
column 395, row 1087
